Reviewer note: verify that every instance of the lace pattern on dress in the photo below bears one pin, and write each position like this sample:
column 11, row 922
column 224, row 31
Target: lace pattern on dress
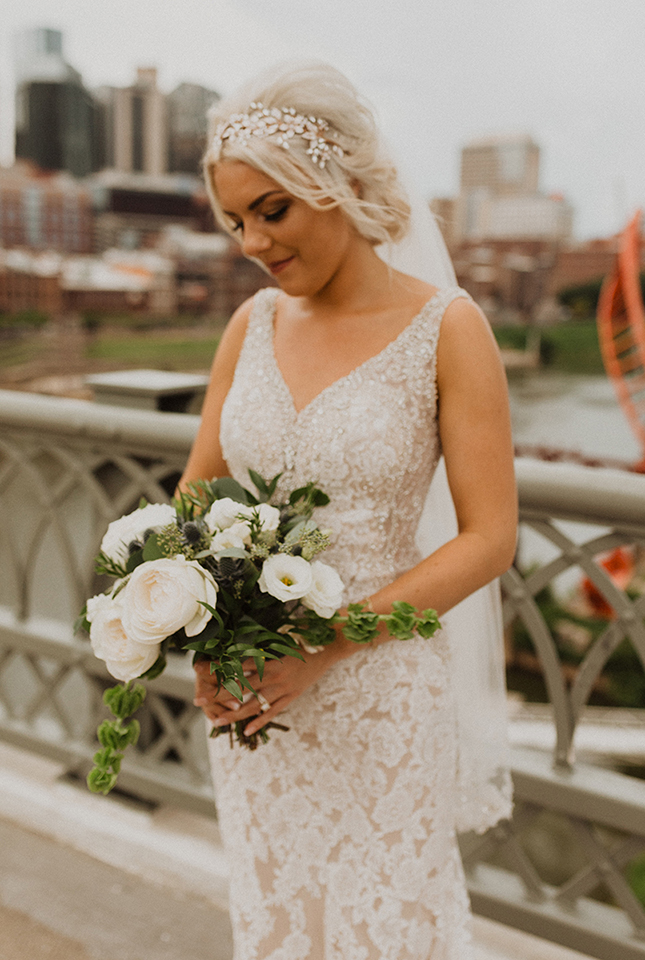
column 341, row 831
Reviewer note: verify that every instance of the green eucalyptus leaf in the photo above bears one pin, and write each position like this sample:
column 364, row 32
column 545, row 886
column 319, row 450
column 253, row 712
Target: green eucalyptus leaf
column 228, row 487
column 233, row 688
column 156, row 669
column 151, row 548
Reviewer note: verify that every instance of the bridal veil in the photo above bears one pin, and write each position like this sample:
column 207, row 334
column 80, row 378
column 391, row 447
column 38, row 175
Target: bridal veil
column 474, row 627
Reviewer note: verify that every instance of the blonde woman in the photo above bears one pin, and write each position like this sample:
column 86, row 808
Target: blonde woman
column 356, row 375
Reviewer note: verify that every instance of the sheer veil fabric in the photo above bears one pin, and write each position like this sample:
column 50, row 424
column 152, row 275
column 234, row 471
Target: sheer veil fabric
column 473, row 627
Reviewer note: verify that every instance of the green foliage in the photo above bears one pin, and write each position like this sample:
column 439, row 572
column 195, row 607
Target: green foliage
column 32, row 319
column 165, row 353
column 570, row 347
column 582, row 298
column 623, row 674
column 115, row 735
column 361, row 625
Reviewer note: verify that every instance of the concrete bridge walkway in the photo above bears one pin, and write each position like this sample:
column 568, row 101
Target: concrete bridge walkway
column 88, row 878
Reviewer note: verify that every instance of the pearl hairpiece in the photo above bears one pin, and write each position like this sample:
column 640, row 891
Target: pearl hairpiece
column 283, row 124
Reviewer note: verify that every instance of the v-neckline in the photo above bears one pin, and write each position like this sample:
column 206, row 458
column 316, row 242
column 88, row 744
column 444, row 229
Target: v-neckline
column 355, row 370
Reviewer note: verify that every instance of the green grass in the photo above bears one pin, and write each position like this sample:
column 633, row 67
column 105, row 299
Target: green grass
column 22, row 350
column 166, row 353
column 570, row 347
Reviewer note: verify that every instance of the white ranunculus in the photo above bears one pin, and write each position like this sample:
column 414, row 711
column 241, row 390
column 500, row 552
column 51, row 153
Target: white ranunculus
column 224, row 513
column 163, row 596
column 124, row 657
column 326, row 592
column 121, row 532
column 285, row 577
column 238, row 535
column 268, row 516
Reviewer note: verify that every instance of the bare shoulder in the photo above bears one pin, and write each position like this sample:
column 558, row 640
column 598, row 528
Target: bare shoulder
column 466, row 342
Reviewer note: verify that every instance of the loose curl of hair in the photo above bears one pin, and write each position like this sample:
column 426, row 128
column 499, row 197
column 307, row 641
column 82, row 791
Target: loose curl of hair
column 363, row 182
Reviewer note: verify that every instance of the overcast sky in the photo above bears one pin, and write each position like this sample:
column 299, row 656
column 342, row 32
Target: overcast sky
column 440, row 72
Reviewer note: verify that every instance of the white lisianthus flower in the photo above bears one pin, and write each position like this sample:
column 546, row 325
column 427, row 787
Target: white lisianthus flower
column 124, row 657
column 268, row 516
column 285, row 577
column 163, row 596
column 238, row 535
column 224, row 513
column 121, row 532
column 326, row 592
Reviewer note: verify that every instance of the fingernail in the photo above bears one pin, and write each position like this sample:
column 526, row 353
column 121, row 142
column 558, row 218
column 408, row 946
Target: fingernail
column 221, row 722
column 235, row 705
column 249, row 730
column 247, row 696
column 248, row 673
column 200, row 702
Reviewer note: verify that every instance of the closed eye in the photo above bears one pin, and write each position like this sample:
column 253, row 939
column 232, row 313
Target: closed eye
column 277, row 214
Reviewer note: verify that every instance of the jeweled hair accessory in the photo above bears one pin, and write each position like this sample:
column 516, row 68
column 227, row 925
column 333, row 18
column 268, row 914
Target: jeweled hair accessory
column 283, row 124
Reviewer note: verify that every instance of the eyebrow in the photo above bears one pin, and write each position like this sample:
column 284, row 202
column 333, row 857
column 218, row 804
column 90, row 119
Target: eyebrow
column 256, row 203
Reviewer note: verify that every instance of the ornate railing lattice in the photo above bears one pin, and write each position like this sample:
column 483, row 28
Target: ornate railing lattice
column 572, row 519
column 67, row 468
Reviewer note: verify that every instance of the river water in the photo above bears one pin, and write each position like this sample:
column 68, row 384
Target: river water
column 570, row 412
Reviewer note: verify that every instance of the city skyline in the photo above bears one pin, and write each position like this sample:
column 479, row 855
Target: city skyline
column 567, row 74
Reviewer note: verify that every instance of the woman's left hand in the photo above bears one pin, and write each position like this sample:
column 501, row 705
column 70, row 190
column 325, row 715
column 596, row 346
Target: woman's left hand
column 282, row 682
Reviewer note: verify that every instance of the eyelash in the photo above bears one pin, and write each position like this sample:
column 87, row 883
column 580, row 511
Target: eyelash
column 269, row 217
column 277, row 214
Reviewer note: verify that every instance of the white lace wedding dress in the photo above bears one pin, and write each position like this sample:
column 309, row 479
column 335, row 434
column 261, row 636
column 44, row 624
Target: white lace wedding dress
column 341, row 831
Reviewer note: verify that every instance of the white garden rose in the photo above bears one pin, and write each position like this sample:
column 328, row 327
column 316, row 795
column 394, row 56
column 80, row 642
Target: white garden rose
column 238, row 535
column 121, row 532
column 326, row 592
column 124, row 657
column 163, row 596
column 224, row 513
column 285, row 577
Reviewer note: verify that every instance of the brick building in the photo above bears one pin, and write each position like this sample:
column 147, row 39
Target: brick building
column 44, row 211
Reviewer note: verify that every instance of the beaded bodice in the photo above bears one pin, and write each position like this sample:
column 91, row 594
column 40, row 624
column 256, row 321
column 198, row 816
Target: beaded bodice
column 370, row 440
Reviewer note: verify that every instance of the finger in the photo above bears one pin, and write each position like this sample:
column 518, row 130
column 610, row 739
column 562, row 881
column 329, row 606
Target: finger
column 263, row 718
column 251, row 706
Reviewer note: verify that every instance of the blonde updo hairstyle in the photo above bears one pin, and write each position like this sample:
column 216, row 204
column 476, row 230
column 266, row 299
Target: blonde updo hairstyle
column 363, row 182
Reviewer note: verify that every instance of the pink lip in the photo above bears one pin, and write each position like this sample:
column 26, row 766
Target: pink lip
column 278, row 265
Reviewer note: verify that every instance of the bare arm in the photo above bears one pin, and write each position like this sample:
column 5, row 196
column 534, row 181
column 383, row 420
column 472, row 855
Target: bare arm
column 475, row 432
column 206, row 460
column 474, row 424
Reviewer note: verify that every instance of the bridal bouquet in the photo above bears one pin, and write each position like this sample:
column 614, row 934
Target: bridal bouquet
column 228, row 575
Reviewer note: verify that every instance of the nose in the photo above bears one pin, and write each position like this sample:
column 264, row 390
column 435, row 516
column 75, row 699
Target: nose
column 255, row 241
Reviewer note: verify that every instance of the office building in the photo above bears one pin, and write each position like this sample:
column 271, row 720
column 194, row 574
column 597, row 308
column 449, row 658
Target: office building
column 133, row 125
column 54, row 112
column 188, row 107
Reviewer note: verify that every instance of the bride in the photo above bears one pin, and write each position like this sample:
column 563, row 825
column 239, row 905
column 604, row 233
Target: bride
column 359, row 376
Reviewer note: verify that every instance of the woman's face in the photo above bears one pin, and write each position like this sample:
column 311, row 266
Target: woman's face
column 302, row 247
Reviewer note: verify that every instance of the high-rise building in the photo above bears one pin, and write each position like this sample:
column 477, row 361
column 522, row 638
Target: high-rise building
column 54, row 111
column 133, row 125
column 188, row 107
column 499, row 198
column 504, row 166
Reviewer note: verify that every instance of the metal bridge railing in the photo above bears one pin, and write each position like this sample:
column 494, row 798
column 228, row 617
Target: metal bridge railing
column 67, row 468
